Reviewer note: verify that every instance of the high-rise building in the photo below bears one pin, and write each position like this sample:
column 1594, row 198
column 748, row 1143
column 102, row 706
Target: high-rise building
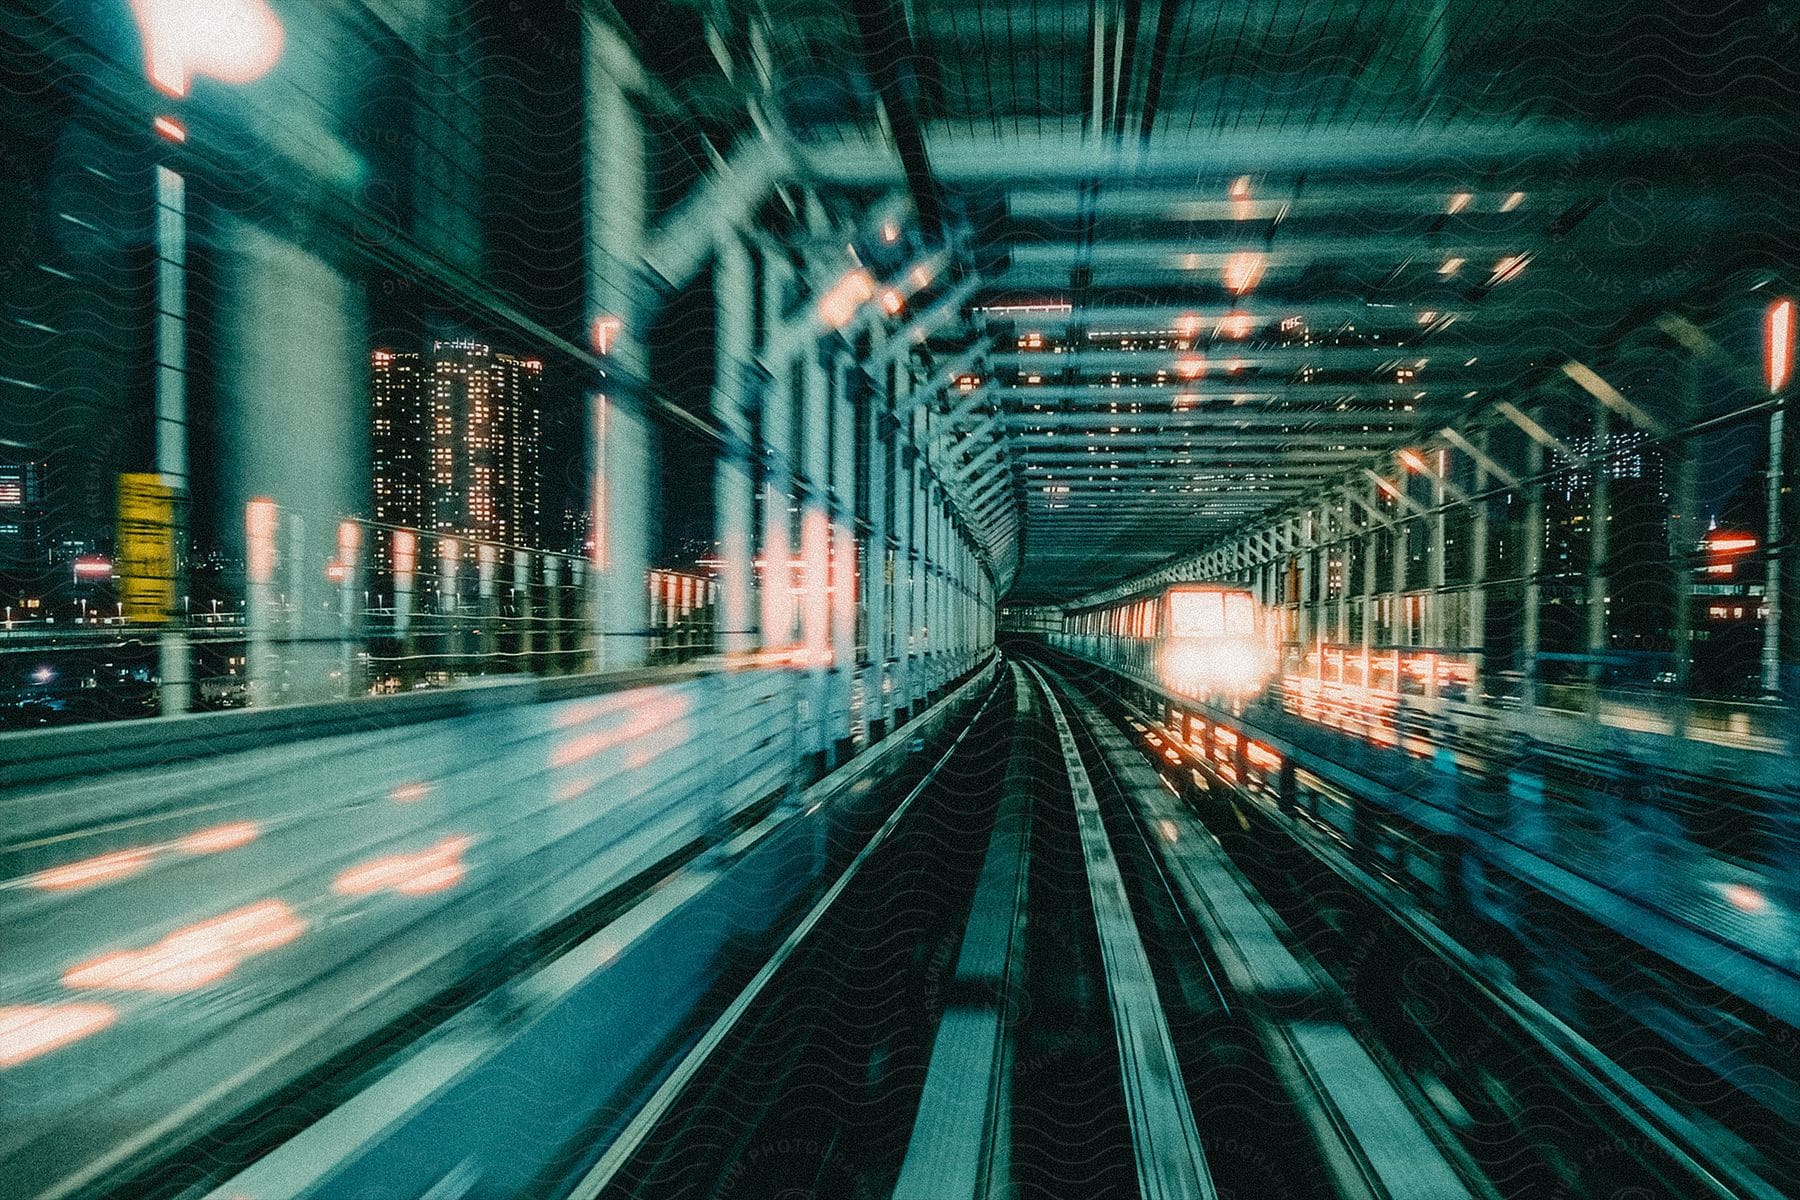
column 21, row 514
column 457, row 441
column 397, row 438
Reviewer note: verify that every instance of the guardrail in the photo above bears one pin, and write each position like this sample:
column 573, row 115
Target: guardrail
column 202, row 910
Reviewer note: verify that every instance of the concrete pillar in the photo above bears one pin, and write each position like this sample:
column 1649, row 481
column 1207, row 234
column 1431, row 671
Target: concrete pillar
column 1600, row 526
column 777, row 483
column 293, row 418
column 877, row 580
column 174, row 672
column 843, row 552
column 1345, row 544
column 621, row 439
column 1478, row 575
column 1533, row 570
column 734, row 481
column 554, row 610
column 1371, row 532
column 1304, row 629
column 1781, row 629
column 487, row 592
column 905, row 598
column 1436, row 568
column 524, row 604
column 1400, row 633
column 814, row 442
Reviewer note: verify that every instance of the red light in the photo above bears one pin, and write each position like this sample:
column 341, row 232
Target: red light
column 606, row 334
column 1778, row 344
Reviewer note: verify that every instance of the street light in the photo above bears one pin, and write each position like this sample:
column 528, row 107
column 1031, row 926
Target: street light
column 233, row 41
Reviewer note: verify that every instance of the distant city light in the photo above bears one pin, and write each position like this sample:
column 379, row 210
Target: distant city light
column 839, row 305
column 1243, row 270
column 1236, row 325
column 92, row 566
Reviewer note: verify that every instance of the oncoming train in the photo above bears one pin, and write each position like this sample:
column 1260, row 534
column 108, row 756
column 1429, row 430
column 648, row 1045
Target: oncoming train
column 1197, row 639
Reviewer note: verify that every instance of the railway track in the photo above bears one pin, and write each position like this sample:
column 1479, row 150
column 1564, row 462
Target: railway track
column 1040, row 978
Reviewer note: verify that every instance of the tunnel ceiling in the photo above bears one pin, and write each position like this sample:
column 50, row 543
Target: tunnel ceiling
column 1228, row 253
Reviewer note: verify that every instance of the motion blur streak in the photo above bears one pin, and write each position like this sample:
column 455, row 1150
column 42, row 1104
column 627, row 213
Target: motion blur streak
column 195, row 956
column 436, row 869
column 219, row 838
column 648, row 717
column 92, row 872
column 31, row 1030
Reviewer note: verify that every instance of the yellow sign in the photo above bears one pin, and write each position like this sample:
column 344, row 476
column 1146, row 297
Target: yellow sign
column 145, row 562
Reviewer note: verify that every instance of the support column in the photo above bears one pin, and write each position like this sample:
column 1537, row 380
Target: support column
column 1684, row 540
column 292, row 325
column 843, row 557
column 778, row 483
column 1533, row 571
column 1371, row 534
column 1303, row 603
column 174, row 670
column 906, row 600
column 1478, row 574
column 621, row 439
column 877, row 582
column 1436, row 569
column 734, row 485
column 1600, row 526
column 1344, row 543
column 813, row 440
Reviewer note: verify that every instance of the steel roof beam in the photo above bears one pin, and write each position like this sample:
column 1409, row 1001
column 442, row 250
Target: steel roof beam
column 959, row 154
column 1214, row 419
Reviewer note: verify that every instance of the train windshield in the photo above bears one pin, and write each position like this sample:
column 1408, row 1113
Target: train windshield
column 1196, row 614
column 1240, row 615
column 1211, row 614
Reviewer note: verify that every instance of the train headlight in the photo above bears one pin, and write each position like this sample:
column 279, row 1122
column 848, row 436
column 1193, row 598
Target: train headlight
column 1208, row 666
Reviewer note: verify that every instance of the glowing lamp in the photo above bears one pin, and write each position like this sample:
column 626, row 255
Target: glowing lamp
column 233, row 41
column 606, row 333
column 259, row 540
column 1778, row 344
